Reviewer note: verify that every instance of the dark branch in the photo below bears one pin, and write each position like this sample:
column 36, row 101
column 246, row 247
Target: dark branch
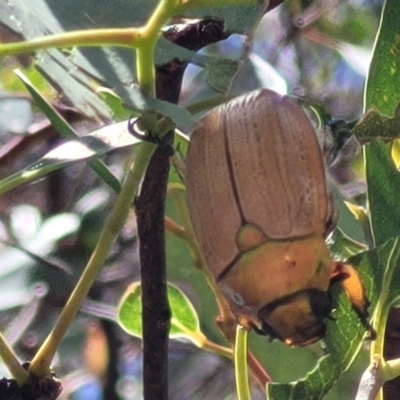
column 150, row 211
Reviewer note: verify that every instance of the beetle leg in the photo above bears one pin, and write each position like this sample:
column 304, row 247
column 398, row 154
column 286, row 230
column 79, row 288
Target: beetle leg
column 352, row 283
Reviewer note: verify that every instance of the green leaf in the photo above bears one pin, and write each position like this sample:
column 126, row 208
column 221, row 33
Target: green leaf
column 184, row 321
column 389, row 278
column 119, row 110
column 383, row 192
column 384, row 74
column 383, row 179
column 140, row 102
column 220, row 72
column 87, row 147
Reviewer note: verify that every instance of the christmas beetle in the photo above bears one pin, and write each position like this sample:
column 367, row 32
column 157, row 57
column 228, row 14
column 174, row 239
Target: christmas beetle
column 260, row 209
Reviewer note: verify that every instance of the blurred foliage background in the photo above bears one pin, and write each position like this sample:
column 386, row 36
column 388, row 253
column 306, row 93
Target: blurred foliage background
column 318, row 49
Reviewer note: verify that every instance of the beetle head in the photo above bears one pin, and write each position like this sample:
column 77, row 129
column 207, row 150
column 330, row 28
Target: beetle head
column 297, row 319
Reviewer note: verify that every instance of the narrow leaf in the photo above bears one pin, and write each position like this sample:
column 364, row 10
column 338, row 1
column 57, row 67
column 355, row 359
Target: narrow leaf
column 93, row 145
column 66, row 130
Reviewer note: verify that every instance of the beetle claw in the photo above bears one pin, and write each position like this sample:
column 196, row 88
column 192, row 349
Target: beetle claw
column 371, row 335
column 258, row 330
column 351, row 281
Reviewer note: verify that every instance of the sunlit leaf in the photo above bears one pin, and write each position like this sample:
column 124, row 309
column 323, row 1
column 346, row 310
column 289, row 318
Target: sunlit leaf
column 119, row 110
column 87, row 147
column 357, row 211
column 384, row 74
column 383, row 192
column 184, row 321
column 396, row 153
column 382, row 118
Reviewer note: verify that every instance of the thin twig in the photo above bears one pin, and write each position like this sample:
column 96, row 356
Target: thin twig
column 11, row 361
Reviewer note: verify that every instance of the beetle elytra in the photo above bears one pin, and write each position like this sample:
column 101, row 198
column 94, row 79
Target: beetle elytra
column 260, row 209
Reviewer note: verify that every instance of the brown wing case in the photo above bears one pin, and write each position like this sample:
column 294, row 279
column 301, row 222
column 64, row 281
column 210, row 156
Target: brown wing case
column 254, row 160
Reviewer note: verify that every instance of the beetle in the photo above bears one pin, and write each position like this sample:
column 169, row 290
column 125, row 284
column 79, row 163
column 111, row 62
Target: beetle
column 260, row 209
